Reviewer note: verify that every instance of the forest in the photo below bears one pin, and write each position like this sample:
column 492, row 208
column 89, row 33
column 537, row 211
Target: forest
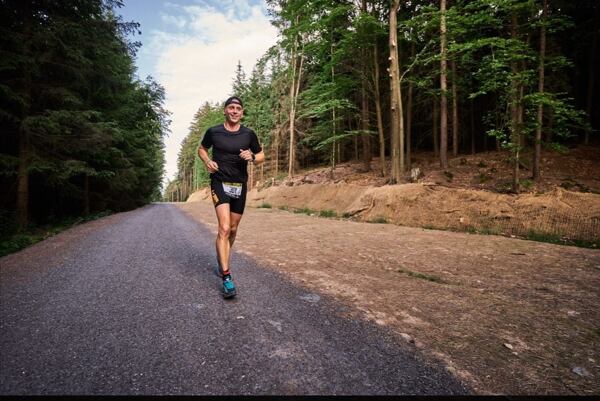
column 81, row 134
column 370, row 80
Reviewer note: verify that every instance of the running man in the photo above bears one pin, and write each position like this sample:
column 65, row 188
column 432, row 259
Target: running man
column 234, row 145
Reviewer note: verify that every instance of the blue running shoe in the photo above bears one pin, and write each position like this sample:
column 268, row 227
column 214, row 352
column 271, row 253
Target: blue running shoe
column 228, row 288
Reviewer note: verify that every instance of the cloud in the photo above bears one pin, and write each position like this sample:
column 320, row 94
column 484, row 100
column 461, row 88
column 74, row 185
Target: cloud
column 198, row 64
column 178, row 22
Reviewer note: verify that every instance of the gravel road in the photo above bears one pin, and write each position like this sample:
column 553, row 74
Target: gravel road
column 129, row 304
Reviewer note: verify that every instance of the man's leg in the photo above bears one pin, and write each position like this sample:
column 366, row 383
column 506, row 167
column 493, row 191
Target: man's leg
column 234, row 221
column 223, row 242
column 223, row 245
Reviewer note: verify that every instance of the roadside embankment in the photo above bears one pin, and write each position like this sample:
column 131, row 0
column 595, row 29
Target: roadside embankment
column 556, row 215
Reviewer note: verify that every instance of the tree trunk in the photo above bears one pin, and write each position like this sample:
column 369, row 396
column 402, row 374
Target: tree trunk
column 514, row 106
column 262, row 172
column 364, row 117
column 378, row 112
column 591, row 74
column 24, row 144
column 86, row 195
column 292, row 128
column 409, row 110
column 397, row 151
column 333, row 121
column 540, row 111
column 23, row 180
column 434, row 129
column 278, row 138
column 251, row 183
column 455, row 123
column 294, row 90
column 443, row 88
column 472, row 119
column 366, row 139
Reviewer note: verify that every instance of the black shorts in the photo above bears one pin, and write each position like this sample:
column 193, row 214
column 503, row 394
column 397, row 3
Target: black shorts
column 233, row 193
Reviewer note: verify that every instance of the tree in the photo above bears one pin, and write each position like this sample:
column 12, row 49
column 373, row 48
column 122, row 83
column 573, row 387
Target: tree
column 396, row 99
column 77, row 123
column 540, row 111
column 443, row 89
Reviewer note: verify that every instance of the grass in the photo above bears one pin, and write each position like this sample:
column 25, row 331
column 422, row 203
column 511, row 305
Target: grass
column 560, row 240
column 304, row 210
column 532, row 235
column 311, row 212
column 265, row 206
column 422, row 276
column 15, row 242
column 484, row 230
column 378, row 220
column 527, row 183
column 327, row 213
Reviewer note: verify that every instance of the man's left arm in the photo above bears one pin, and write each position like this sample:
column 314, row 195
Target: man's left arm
column 249, row 156
column 256, row 153
column 259, row 158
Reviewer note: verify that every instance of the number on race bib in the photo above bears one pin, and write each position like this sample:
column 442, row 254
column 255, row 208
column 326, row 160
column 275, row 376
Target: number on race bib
column 233, row 189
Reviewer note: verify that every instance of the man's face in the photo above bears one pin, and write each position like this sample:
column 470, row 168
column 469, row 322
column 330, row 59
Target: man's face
column 234, row 113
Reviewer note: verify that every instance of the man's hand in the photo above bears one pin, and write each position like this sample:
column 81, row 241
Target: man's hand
column 212, row 166
column 246, row 155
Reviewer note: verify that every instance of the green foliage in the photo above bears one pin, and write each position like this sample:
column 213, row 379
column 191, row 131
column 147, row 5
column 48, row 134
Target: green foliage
column 94, row 132
column 527, row 183
column 561, row 240
column 497, row 70
column 11, row 243
column 327, row 213
column 304, row 210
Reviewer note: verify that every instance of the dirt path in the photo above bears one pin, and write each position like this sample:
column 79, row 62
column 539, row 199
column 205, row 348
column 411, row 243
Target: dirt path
column 130, row 305
column 506, row 315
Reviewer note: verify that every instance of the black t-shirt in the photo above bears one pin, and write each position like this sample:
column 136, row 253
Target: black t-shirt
column 226, row 151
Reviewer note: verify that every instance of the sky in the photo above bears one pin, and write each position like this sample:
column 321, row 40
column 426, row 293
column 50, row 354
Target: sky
column 191, row 48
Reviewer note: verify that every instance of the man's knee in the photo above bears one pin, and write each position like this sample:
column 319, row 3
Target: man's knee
column 225, row 230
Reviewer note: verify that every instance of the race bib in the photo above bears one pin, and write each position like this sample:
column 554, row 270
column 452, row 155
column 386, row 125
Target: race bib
column 233, row 189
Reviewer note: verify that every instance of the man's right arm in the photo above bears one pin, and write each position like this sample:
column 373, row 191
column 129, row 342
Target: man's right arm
column 211, row 165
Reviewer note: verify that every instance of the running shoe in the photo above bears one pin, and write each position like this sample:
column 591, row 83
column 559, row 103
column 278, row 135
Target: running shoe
column 228, row 288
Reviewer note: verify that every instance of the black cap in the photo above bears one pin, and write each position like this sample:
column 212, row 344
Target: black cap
column 234, row 99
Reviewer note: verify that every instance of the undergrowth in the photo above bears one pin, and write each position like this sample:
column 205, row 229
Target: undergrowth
column 561, row 240
column 532, row 235
column 11, row 243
